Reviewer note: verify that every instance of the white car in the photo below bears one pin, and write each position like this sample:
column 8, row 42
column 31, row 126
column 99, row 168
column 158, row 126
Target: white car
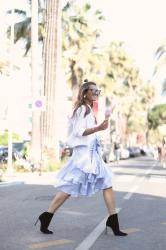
column 124, row 154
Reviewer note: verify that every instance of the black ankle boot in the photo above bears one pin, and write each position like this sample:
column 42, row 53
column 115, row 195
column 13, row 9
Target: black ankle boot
column 45, row 219
column 113, row 223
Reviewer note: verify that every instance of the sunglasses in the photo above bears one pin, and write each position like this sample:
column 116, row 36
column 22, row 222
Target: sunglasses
column 95, row 91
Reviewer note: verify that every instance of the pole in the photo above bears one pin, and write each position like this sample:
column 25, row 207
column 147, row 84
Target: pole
column 36, row 114
column 10, row 166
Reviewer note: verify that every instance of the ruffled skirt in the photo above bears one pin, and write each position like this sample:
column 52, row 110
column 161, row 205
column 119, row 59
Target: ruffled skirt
column 85, row 173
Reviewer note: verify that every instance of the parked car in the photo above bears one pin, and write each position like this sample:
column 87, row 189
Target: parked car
column 134, row 151
column 3, row 154
column 124, row 153
column 18, row 146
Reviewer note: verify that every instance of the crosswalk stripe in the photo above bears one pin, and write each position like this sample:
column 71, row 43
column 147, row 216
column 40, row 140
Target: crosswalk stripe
column 94, row 235
column 157, row 180
column 125, row 178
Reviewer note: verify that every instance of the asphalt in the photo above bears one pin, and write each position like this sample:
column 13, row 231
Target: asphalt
column 139, row 186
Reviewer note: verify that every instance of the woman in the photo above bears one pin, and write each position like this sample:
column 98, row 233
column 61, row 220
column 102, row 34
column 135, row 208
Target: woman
column 85, row 173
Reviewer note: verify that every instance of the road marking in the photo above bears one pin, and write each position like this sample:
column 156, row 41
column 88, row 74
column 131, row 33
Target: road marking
column 129, row 194
column 88, row 242
column 164, row 223
column 157, row 179
column 125, row 178
column 50, row 243
column 93, row 236
column 132, row 230
column 134, row 188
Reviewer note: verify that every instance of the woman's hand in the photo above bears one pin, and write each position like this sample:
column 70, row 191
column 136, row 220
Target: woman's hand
column 103, row 125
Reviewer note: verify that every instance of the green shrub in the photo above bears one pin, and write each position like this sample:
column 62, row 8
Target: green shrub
column 52, row 167
column 4, row 138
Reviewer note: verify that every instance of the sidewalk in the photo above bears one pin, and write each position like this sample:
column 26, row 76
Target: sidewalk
column 46, row 178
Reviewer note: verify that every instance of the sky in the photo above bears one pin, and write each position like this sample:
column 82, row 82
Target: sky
column 16, row 3
column 140, row 24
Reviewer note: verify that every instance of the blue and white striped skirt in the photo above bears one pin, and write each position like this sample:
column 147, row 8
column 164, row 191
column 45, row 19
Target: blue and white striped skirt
column 85, row 173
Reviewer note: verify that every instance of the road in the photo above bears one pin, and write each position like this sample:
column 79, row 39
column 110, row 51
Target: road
column 140, row 190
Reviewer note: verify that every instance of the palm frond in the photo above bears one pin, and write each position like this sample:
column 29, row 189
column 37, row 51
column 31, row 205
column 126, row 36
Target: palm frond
column 87, row 7
column 22, row 29
column 17, row 11
column 160, row 51
column 67, row 6
column 27, row 46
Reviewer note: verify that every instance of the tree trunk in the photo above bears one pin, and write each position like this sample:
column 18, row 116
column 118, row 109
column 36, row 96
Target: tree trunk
column 74, row 81
column 52, row 65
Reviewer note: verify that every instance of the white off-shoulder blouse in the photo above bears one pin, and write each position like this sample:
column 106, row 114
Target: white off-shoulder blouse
column 78, row 124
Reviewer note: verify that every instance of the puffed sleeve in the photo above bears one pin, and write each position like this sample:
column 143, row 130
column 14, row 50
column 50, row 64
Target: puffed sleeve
column 79, row 123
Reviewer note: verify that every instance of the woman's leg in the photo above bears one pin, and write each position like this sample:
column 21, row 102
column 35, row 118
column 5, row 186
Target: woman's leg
column 46, row 217
column 112, row 220
column 58, row 200
column 109, row 199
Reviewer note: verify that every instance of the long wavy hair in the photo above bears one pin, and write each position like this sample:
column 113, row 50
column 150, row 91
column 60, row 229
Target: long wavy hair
column 81, row 99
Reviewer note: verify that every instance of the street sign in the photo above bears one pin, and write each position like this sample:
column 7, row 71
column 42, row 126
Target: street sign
column 39, row 103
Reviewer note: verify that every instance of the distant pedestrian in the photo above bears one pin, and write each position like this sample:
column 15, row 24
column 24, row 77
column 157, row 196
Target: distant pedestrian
column 163, row 153
column 117, row 149
column 159, row 153
column 85, row 173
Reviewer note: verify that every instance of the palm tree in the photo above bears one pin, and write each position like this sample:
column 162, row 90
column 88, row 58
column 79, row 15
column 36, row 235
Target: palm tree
column 80, row 33
column 23, row 27
column 46, row 125
column 52, row 64
column 160, row 63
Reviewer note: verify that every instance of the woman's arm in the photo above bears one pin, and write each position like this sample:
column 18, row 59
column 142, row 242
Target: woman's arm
column 102, row 126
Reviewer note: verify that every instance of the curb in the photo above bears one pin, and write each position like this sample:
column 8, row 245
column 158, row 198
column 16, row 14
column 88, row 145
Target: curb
column 10, row 183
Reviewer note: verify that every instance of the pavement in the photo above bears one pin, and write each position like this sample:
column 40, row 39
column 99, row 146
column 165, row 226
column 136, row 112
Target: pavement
column 45, row 178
